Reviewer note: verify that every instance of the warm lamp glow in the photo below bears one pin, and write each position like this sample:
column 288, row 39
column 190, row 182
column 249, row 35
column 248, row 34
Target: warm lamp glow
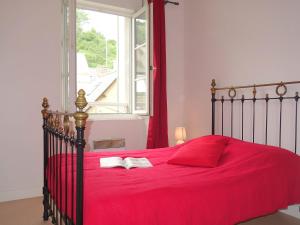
column 180, row 135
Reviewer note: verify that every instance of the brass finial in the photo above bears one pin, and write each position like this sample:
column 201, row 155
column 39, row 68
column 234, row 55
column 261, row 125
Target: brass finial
column 254, row 91
column 45, row 105
column 81, row 103
column 213, row 86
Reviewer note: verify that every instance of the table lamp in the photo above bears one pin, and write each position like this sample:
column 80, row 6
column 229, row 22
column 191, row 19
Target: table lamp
column 180, row 135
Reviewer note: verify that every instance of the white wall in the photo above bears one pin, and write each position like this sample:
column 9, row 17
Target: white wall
column 30, row 70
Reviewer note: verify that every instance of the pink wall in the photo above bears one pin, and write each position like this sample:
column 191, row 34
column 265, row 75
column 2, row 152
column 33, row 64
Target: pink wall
column 236, row 42
column 175, row 67
column 232, row 41
column 29, row 62
column 30, row 68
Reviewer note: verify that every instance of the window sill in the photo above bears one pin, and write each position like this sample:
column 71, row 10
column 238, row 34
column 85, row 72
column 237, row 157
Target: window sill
column 97, row 117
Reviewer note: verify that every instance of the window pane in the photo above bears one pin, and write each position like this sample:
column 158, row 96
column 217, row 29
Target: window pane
column 141, row 94
column 103, row 59
column 140, row 61
column 140, row 29
column 140, row 64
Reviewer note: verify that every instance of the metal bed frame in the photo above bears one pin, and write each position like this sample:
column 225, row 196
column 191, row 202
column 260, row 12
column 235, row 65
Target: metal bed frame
column 281, row 91
column 60, row 138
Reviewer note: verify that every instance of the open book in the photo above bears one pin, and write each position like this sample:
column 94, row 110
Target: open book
column 128, row 162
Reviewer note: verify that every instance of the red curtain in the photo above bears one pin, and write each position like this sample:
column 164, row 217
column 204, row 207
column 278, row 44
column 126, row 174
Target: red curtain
column 158, row 122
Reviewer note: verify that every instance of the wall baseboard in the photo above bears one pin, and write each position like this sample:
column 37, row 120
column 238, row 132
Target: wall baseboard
column 11, row 195
column 292, row 211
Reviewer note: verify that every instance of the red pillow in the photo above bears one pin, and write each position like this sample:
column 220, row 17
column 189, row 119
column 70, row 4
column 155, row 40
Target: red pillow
column 212, row 138
column 199, row 153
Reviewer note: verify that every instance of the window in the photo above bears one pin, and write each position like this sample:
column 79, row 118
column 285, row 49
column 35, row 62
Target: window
column 140, row 62
column 111, row 57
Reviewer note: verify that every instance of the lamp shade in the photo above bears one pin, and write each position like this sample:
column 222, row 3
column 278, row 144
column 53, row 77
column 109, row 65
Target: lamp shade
column 180, row 135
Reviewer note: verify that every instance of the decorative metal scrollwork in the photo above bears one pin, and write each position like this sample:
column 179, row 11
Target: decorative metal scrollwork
column 232, row 92
column 281, row 85
column 66, row 124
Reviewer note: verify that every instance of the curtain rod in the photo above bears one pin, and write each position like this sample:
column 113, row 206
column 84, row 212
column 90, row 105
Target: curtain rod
column 171, row 2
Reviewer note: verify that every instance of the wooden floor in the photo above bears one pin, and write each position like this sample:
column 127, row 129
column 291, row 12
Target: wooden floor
column 29, row 211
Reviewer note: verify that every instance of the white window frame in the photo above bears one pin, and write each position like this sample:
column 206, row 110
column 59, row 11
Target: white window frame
column 146, row 112
column 96, row 6
column 68, row 55
column 68, row 68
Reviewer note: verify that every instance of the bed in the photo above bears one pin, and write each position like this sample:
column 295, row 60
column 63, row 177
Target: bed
column 250, row 180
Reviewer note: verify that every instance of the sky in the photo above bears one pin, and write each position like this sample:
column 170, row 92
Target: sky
column 102, row 22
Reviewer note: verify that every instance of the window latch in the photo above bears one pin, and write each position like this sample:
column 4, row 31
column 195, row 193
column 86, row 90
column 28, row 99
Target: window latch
column 151, row 68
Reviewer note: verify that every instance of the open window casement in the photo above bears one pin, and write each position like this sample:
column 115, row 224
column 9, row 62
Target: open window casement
column 134, row 82
column 141, row 62
column 68, row 55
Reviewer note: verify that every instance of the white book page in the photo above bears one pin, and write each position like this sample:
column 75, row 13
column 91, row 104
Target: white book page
column 137, row 162
column 110, row 162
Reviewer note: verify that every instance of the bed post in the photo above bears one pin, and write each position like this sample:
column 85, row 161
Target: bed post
column 213, row 101
column 45, row 187
column 80, row 120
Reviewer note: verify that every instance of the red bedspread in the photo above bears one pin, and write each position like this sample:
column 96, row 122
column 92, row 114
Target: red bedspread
column 251, row 180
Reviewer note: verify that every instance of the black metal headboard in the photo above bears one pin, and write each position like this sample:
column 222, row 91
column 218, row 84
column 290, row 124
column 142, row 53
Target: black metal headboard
column 280, row 96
